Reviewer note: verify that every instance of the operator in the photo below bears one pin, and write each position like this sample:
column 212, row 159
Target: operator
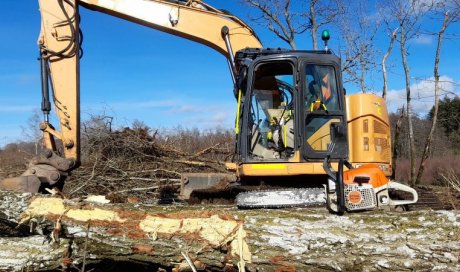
column 320, row 98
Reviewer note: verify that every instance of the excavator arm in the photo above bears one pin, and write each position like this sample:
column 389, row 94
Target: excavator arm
column 59, row 43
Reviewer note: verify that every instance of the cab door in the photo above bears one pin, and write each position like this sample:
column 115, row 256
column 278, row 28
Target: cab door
column 324, row 124
column 269, row 116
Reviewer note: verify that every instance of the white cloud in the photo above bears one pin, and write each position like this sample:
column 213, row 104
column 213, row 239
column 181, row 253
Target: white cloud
column 184, row 111
column 422, row 94
column 214, row 118
column 423, row 39
column 136, row 105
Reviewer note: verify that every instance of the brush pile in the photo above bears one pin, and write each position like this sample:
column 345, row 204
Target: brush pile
column 142, row 164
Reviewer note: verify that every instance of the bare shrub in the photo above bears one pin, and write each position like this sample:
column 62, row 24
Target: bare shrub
column 219, row 142
column 452, row 179
column 436, row 167
column 14, row 157
column 139, row 162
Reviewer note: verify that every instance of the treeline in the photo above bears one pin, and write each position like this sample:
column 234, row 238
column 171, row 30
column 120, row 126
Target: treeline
column 444, row 154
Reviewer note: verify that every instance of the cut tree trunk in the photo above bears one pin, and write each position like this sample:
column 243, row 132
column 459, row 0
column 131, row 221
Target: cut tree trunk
column 221, row 238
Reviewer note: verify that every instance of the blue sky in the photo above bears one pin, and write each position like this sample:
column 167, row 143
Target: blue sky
column 132, row 72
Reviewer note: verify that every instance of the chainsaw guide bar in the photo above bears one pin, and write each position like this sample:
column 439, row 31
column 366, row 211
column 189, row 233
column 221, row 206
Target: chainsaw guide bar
column 282, row 198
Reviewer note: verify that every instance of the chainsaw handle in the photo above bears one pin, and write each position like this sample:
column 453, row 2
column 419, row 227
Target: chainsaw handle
column 340, row 190
column 328, row 168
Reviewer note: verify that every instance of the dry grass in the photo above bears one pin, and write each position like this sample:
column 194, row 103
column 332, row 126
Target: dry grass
column 452, row 179
column 434, row 170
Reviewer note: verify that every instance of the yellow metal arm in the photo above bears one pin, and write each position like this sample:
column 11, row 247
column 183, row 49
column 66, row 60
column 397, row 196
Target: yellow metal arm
column 193, row 20
column 59, row 45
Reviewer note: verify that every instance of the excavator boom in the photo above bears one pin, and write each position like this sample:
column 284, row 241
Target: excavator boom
column 59, row 43
column 192, row 20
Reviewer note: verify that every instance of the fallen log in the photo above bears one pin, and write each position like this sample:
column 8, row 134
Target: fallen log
column 68, row 233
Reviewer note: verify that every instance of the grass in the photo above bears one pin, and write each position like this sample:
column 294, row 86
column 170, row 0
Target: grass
column 435, row 168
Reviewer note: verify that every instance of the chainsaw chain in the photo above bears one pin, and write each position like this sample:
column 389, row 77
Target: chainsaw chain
column 275, row 198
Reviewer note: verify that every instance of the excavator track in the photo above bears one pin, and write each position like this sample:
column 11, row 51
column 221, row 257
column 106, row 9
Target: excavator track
column 281, row 198
column 428, row 199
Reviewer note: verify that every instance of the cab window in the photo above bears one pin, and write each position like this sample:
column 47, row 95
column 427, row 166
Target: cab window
column 321, row 88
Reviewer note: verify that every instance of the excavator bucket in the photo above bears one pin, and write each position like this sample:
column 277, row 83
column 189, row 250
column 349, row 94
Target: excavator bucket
column 201, row 181
column 29, row 184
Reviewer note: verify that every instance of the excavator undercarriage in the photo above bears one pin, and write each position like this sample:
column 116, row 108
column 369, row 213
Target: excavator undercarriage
column 356, row 189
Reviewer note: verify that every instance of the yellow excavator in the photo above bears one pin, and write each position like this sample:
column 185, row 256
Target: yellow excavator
column 295, row 127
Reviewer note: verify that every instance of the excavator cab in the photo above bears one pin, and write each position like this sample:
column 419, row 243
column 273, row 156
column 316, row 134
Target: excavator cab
column 293, row 108
column 291, row 115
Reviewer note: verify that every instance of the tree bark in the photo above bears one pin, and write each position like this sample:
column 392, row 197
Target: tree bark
column 384, row 66
column 396, row 143
column 223, row 238
column 412, row 154
column 314, row 25
column 362, row 80
column 429, row 138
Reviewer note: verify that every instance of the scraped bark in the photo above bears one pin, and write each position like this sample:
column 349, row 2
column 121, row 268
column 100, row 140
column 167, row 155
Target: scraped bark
column 223, row 238
column 397, row 143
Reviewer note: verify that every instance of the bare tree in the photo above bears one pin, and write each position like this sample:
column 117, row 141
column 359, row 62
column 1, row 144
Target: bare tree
column 396, row 141
column 454, row 6
column 281, row 19
column 407, row 15
column 32, row 132
column 322, row 13
column 384, row 61
column 359, row 30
